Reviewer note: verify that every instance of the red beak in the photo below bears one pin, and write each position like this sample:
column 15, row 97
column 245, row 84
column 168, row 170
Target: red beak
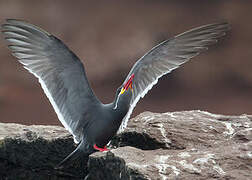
column 129, row 82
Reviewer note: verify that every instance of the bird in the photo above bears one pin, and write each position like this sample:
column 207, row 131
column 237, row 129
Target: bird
column 63, row 78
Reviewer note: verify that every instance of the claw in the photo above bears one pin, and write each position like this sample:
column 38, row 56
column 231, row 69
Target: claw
column 100, row 149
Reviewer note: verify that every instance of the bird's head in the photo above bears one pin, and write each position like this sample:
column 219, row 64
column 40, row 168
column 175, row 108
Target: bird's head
column 128, row 85
column 124, row 94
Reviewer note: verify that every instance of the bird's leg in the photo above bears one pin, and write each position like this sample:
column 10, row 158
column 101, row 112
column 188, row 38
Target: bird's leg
column 100, row 149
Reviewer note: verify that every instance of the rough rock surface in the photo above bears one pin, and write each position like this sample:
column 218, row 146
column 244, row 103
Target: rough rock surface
column 32, row 152
column 177, row 145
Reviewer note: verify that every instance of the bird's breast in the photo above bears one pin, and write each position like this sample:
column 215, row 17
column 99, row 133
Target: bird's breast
column 106, row 127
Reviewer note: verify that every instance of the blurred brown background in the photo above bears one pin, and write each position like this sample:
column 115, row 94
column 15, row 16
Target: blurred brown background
column 109, row 36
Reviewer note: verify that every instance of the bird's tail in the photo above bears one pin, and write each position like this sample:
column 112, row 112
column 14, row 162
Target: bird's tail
column 82, row 150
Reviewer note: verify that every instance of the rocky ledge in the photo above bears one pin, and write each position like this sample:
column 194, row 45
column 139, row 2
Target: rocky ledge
column 156, row 146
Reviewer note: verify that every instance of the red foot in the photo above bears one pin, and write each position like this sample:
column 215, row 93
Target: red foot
column 100, row 149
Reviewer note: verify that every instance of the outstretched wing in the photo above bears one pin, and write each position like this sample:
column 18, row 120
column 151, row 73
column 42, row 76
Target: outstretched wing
column 168, row 56
column 60, row 72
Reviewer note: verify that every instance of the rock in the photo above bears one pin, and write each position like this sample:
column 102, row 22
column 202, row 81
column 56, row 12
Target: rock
column 178, row 145
column 157, row 146
column 32, row 152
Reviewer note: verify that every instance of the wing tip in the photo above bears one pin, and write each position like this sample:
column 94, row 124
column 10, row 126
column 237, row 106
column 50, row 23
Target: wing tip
column 13, row 22
column 219, row 28
column 23, row 24
column 218, row 24
column 225, row 25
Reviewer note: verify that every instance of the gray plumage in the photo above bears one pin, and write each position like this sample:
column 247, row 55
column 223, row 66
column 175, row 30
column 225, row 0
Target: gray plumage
column 63, row 79
column 169, row 55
